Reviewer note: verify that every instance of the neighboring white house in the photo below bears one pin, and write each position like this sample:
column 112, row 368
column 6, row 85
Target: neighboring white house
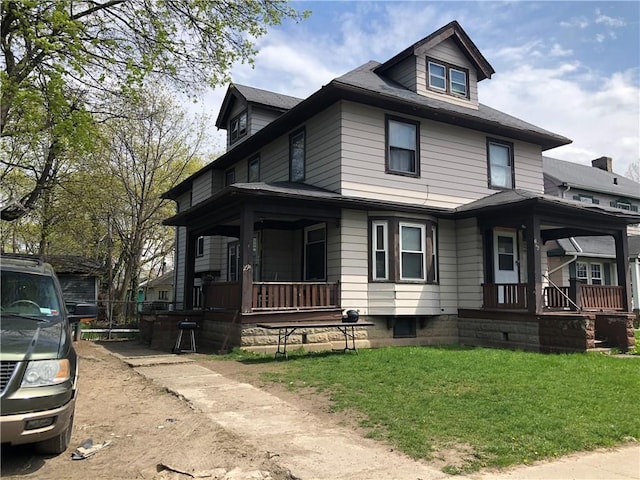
column 157, row 294
column 394, row 191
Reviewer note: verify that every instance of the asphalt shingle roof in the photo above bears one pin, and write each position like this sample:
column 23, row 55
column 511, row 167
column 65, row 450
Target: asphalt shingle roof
column 589, row 178
column 267, row 98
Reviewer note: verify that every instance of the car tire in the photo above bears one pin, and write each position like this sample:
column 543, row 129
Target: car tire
column 57, row 444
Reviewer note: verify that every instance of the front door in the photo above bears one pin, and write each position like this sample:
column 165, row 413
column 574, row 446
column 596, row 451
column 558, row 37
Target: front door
column 505, row 261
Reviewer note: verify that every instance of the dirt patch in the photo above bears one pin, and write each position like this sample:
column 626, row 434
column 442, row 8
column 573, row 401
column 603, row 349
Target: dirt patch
column 154, row 435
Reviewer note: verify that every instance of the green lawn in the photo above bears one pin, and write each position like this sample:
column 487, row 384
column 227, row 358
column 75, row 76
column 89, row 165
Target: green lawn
column 506, row 407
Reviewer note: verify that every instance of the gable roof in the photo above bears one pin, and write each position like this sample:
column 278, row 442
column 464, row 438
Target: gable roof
column 451, row 30
column 584, row 177
column 255, row 96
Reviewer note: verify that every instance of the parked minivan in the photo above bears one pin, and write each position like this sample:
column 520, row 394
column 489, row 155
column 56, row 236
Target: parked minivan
column 38, row 364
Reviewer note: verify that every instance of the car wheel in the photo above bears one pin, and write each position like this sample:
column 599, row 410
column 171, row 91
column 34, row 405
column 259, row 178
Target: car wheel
column 57, row 444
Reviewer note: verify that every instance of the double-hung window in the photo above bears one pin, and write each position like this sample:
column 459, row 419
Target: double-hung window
column 437, row 76
column 458, row 82
column 582, row 272
column 500, row 164
column 596, row 274
column 297, row 156
column 413, row 252
column 380, row 246
column 403, row 156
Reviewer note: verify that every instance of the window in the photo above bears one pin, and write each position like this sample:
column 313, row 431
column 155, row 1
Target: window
column 315, row 253
column 596, row 274
column 402, row 147
column 380, row 252
column 404, row 327
column 437, row 76
column 582, row 274
column 238, row 127
column 200, row 246
column 233, row 261
column 458, row 82
column 254, row 169
column 585, row 198
column 197, row 296
column 623, row 205
column 163, row 295
column 229, row 177
column 447, row 78
column 297, row 156
column 412, row 252
column 403, row 251
column 500, row 162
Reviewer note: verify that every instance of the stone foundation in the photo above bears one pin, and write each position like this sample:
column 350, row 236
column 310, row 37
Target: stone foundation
column 519, row 334
column 615, row 330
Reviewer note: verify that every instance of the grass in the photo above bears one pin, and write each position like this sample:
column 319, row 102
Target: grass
column 506, row 407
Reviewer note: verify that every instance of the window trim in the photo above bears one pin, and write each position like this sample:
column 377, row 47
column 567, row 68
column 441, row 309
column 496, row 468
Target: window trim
column 423, row 251
column 601, row 272
column 416, row 124
column 301, row 131
column 448, row 67
column 233, row 139
column 509, row 145
column 394, row 257
column 249, row 162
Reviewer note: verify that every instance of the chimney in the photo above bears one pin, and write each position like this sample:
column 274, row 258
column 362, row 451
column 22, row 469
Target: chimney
column 603, row 163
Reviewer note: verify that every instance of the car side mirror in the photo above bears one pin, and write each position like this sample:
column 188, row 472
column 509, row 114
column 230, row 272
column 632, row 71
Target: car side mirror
column 83, row 312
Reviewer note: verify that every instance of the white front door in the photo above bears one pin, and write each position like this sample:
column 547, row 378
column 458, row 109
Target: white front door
column 505, row 259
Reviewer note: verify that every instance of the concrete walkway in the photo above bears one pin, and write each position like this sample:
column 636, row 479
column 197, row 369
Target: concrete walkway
column 312, row 451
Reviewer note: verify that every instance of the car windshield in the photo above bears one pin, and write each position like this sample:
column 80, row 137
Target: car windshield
column 28, row 295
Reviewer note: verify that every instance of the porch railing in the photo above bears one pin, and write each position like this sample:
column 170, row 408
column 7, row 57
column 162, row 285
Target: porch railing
column 505, row 295
column 601, row 297
column 586, row 297
column 294, row 295
column 557, row 298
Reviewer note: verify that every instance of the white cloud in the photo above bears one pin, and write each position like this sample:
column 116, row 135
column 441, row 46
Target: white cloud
column 609, row 21
column 601, row 121
column 579, row 22
column 558, row 51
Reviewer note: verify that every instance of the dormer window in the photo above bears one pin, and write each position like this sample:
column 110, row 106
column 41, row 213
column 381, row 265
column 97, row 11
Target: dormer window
column 447, row 78
column 238, row 127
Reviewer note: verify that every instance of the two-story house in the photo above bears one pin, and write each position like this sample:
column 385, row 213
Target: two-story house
column 392, row 191
column 591, row 260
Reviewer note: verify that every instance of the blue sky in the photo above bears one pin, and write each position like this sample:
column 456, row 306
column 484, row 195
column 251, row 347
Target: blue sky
column 570, row 67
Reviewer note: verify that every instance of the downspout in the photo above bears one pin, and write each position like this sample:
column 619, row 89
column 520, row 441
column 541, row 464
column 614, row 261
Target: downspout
column 567, row 188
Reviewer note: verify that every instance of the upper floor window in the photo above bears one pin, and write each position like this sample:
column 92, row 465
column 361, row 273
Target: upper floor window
column 448, row 78
column 200, row 246
column 297, row 156
column 586, row 199
column 254, row 169
column 500, row 164
column 238, row 127
column 230, row 177
column 403, row 155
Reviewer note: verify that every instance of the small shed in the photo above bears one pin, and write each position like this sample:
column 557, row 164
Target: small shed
column 79, row 277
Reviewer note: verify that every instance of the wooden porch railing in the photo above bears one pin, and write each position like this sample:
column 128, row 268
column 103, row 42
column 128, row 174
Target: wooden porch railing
column 294, row 295
column 505, row 295
column 600, row 297
column 557, row 298
column 585, row 297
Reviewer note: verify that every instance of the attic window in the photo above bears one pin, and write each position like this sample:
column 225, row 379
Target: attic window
column 447, row 78
column 238, row 127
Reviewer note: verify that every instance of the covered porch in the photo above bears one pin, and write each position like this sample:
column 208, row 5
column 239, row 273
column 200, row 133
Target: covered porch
column 516, row 228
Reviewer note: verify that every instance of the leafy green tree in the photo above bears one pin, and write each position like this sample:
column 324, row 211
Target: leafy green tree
column 63, row 60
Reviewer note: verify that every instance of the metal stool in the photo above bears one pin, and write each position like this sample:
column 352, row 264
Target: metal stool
column 191, row 328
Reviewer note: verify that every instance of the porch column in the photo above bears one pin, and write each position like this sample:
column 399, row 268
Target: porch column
column 622, row 262
column 189, row 269
column 246, row 257
column 534, row 265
